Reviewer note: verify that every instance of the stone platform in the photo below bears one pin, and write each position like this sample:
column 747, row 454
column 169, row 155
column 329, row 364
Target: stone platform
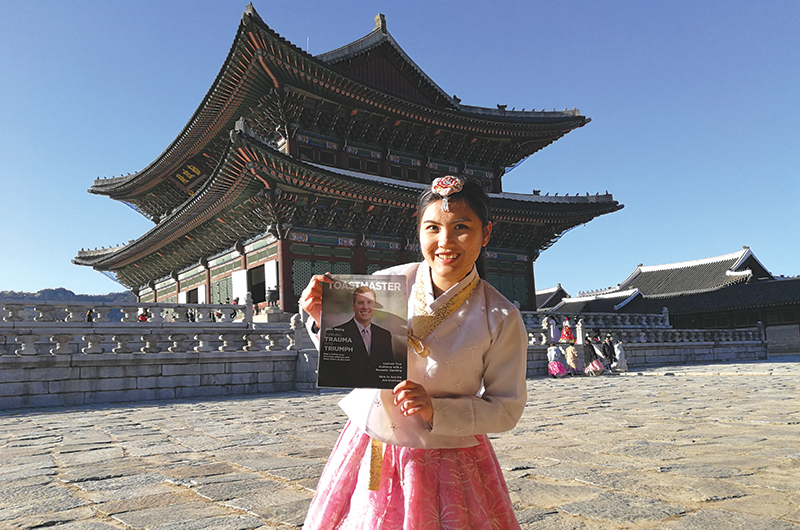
column 701, row 447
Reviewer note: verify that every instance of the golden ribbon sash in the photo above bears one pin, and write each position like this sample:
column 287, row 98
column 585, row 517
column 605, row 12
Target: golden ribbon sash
column 423, row 323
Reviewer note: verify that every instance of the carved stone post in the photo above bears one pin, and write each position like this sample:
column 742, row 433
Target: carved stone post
column 122, row 343
column 248, row 308
column 155, row 315
column 62, row 346
column 27, row 344
column 131, row 313
column 93, row 341
column 178, row 343
column 277, row 341
column 203, row 342
column 46, row 313
column 76, row 313
column 14, row 311
column 301, row 340
column 255, row 342
column 150, row 343
column 229, row 342
column 181, row 313
column 101, row 314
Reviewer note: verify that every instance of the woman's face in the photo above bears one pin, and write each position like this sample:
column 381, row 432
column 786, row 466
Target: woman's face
column 451, row 242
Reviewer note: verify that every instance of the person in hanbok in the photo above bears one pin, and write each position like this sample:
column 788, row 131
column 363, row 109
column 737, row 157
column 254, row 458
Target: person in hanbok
column 608, row 351
column 574, row 361
column 555, row 361
column 566, row 332
column 620, row 364
column 553, row 331
column 591, row 356
column 418, row 456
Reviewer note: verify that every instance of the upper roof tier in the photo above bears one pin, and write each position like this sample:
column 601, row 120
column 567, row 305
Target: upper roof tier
column 366, row 93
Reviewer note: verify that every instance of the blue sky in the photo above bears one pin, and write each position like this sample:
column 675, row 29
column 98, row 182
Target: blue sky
column 694, row 111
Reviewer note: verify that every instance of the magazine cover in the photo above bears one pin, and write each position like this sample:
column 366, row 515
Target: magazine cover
column 363, row 333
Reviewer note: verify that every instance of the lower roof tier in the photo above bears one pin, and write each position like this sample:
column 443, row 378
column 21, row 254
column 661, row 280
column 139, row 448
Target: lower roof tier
column 256, row 189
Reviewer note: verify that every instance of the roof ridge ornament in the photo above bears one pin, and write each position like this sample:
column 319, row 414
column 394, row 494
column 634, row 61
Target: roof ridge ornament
column 250, row 11
column 380, row 23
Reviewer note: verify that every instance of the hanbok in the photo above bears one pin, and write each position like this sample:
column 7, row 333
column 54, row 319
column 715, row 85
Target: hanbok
column 566, row 332
column 444, row 474
column 555, row 362
column 595, row 368
column 574, row 361
column 620, row 364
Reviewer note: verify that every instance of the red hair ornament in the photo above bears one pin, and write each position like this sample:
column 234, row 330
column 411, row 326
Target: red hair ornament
column 446, row 186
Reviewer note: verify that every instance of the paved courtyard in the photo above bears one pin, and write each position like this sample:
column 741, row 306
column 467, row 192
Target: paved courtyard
column 700, row 447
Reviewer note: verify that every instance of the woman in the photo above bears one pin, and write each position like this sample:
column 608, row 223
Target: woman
column 620, row 364
column 555, row 361
column 592, row 359
column 418, row 456
column 574, row 362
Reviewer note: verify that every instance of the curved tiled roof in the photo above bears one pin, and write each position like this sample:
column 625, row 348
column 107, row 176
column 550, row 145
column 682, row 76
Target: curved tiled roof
column 764, row 294
column 600, row 303
column 694, row 276
column 264, row 77
column 256, row 186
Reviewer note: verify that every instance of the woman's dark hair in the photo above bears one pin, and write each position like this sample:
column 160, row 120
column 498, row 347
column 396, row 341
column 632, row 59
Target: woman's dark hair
column 476, row 198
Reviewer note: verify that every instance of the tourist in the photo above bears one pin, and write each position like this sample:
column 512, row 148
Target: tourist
column 553, row 331
column 589, row 353
column 574, row 362
column 555, row 361
column 427, row 438
column 566, row 332
column 608, row 350
column 89, row 316
column 591, row 356
column 620, row 364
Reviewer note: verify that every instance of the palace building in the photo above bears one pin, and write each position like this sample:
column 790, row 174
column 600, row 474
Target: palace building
column 732, row 291
column 295, row 165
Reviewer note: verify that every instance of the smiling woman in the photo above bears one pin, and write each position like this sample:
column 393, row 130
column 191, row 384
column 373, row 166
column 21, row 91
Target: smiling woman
column 418, row 454
column 452, row 234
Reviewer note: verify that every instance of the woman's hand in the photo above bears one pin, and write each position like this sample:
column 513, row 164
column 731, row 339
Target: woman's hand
column 412, row 398
column 311, row 299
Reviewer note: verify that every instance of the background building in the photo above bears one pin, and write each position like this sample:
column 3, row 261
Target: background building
column 731, row 291
column 295, row 165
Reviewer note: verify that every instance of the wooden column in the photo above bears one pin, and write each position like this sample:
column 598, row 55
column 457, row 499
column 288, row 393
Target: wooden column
column 287, row 301
column 530, row 305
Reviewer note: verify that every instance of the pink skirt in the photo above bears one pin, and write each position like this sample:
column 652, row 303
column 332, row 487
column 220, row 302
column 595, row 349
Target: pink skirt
column 556, row 369
column 420, row 489
column 596, row 368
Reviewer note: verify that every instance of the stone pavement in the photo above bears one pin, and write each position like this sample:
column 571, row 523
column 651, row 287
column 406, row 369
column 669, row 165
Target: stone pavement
column 700, row 447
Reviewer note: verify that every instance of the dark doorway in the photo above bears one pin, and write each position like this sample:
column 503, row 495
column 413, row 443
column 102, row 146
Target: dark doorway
column 256, row 284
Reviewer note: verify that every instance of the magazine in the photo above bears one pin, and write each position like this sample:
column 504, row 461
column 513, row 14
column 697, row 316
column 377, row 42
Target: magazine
column 363, row 333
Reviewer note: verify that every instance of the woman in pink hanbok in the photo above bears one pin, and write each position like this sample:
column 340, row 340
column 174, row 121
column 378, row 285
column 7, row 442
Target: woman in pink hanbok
column 555, row 361
column 418, row 456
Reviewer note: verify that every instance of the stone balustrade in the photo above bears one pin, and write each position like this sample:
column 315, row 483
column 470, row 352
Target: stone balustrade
column 537, row 320
column 50, row 354
column 43, row 314
column 629, row 328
